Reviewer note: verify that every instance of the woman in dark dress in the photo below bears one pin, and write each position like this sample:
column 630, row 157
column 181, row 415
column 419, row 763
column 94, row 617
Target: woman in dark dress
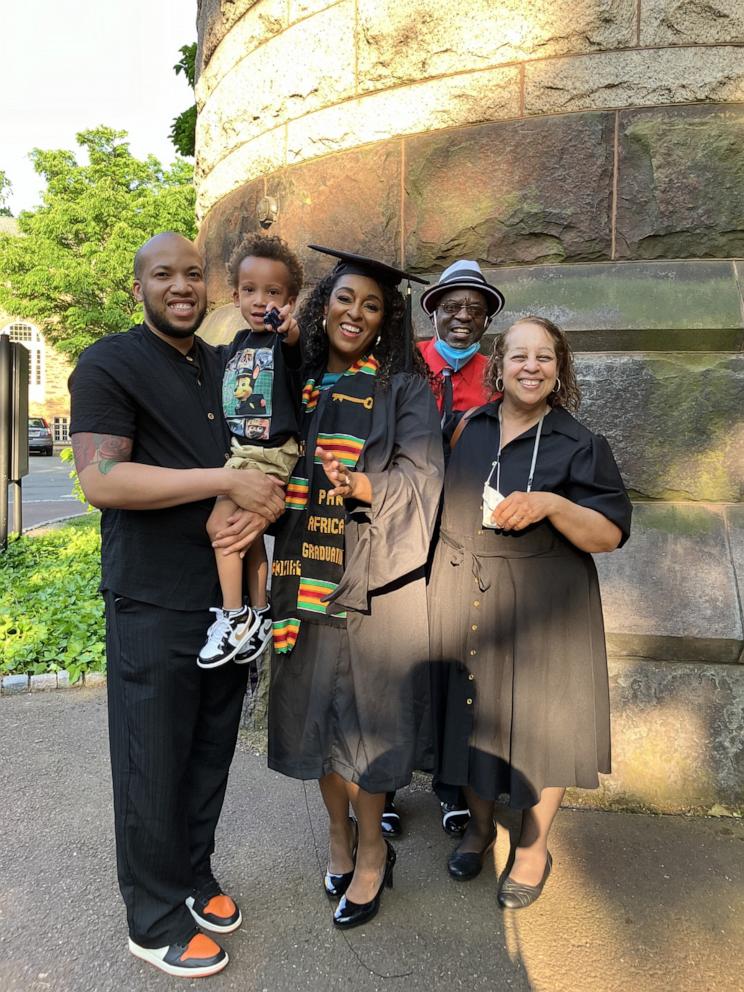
column 349, row 699
column 520, row 669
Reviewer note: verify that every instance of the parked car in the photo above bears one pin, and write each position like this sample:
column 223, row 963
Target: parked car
column 40, row 436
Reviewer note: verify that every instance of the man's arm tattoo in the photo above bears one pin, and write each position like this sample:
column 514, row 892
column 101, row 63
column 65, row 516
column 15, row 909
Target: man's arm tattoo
column 103, row 450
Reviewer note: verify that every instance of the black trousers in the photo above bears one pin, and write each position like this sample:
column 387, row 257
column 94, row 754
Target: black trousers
column 172, row 732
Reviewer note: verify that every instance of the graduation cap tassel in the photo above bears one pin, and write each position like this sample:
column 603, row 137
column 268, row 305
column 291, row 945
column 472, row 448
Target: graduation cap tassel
column 408, row 331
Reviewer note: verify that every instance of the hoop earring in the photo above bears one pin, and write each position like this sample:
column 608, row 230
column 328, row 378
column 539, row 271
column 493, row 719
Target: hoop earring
column 557, row 386
column 323, row 325
column 499, row 388
column 379, row 338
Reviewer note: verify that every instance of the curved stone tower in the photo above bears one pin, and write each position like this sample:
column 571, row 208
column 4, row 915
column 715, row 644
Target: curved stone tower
column 591, row 157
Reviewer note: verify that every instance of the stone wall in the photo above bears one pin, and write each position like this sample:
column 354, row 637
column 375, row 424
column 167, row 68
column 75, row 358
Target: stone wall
column 282, row 82
column 593, row 163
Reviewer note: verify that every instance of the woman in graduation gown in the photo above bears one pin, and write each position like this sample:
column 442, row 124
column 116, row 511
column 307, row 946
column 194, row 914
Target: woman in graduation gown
column 519, row 662
column 349, row 699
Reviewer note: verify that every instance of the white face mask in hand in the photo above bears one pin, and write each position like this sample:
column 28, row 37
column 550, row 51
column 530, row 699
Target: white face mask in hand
column 491, row 499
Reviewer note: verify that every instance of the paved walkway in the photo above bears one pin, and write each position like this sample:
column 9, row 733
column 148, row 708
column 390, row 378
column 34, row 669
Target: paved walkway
column 636, row 904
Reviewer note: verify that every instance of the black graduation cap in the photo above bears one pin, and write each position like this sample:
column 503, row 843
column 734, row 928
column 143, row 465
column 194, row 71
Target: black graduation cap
column 361, row 265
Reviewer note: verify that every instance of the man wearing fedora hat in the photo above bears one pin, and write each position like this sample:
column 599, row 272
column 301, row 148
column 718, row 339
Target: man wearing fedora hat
column 460, row 306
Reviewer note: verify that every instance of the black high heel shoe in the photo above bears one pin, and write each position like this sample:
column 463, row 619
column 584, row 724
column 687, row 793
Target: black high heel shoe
column 351, row 914
column 336, row 885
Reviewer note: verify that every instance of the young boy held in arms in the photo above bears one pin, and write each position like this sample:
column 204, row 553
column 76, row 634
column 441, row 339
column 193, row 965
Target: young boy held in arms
column 261, row 405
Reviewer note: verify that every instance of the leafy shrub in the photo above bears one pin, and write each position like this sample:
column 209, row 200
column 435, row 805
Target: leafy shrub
column 51, row 613
column 67, row 455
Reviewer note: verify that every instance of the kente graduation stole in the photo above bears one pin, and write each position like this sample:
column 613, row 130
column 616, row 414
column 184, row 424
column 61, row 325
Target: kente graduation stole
column 309, row 551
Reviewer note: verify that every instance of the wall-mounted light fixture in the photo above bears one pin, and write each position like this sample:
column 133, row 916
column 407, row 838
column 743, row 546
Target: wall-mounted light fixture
column 268, row 210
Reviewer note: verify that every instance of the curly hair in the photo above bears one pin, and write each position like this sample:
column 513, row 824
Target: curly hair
column 390, row 352
column 569, row 394
column 266, row 246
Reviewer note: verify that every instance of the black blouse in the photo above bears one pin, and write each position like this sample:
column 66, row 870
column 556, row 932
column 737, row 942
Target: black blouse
column 571, row 461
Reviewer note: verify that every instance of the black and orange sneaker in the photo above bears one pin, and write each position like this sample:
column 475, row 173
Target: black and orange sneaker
column 199, row 957
column 214, row 911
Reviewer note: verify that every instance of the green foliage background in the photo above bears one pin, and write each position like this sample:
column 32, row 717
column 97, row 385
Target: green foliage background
column 70, row 269
column 5, row 191
column 51, row 613
column 183, row 130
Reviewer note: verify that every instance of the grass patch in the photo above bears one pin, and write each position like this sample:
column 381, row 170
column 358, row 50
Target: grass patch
column 51, row 613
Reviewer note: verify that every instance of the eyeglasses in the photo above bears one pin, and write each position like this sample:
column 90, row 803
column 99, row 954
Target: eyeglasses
column 452, row 307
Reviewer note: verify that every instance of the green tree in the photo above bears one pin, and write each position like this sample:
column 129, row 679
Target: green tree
column 183, row 129
column 70, row 268
column 6, row 188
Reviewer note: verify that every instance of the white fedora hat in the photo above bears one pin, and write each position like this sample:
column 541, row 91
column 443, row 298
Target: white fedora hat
column 463, row 274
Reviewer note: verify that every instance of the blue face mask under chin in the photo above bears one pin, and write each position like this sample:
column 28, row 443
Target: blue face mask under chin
column 456, row 358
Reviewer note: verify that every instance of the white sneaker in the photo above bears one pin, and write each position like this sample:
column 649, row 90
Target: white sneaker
column 227, row 635
column 200, row 957
column 257, row 640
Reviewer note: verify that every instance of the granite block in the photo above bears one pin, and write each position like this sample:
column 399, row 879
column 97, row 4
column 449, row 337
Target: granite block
column 681, row 182
column 551, row 201
column 14, row 684
column 671, row 593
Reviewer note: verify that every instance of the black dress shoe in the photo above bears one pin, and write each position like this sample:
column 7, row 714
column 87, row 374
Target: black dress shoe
column 391, row 824
column 455, row 818
column 464, row 865
column 336, row 885
column 351, row 914
column 516, row 895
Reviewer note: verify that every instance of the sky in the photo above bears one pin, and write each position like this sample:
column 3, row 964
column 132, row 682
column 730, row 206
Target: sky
column 69, row 66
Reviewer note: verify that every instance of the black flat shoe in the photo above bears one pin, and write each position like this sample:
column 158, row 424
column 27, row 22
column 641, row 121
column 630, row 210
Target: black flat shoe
column 464, row 865
column 336, row 885
column 455, row 819
column 515, row 895
column 391, row 824
column 352, row 914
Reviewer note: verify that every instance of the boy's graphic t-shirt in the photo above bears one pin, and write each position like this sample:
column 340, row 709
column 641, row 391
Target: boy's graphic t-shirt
column 261, row 389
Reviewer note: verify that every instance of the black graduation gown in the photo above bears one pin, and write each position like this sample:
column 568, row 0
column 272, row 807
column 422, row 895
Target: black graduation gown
column 355, row 699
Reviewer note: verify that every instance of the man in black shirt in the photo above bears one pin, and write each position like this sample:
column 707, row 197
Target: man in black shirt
column 149, row 445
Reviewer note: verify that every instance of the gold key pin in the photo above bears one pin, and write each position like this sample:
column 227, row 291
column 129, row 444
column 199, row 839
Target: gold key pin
column 367, row 403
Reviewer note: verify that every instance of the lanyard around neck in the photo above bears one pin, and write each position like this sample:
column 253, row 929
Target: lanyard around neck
column 497, row 464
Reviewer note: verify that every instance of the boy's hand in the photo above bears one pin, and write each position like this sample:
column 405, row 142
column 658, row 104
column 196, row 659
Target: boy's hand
column 288, row 328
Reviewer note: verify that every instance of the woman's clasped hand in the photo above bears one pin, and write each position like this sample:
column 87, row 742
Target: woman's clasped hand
column 519, row 510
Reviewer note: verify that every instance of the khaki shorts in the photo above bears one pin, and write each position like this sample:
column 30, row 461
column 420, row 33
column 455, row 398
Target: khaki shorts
column 279, row 462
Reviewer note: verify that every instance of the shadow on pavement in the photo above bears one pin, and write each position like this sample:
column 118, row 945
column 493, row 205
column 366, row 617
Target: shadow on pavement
column 642, row 902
